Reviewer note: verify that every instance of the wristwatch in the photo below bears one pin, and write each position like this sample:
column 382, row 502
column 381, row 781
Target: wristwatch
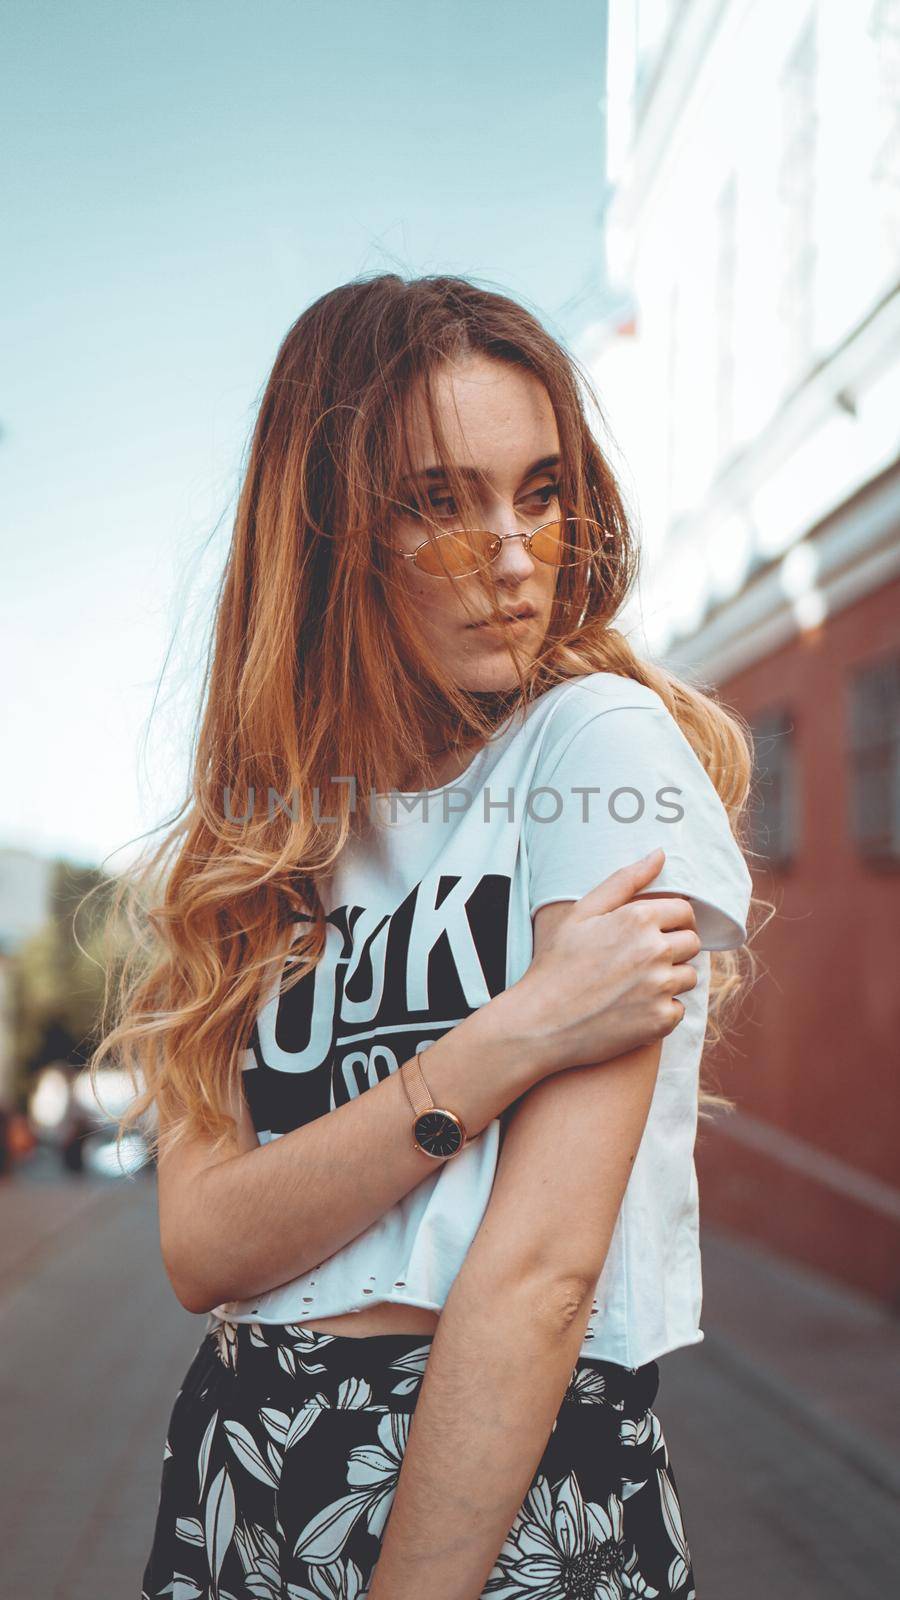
column 437, row 1132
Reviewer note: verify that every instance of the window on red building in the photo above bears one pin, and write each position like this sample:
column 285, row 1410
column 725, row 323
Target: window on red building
column 773, row 800
column 875, row 760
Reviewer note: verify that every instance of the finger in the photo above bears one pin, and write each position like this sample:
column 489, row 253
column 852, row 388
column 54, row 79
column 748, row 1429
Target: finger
column 683, row 945
column 680, row 1013
column 623, row 884
column 670, row 911
column 682, row 980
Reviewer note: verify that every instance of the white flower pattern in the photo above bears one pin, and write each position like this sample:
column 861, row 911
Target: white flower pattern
column 562, row 1546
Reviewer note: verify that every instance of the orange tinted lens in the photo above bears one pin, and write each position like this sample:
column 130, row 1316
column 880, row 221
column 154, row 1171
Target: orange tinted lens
column 547, row 544
column 452, row 555
column 561, row 544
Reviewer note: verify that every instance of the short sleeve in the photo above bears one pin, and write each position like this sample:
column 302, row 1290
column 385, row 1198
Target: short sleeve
column 645, row 787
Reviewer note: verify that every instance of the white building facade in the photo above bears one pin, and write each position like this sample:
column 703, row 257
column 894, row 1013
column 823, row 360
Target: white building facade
column 750, row 362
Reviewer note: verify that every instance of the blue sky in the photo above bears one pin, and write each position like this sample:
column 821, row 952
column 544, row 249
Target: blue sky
column 187, row 176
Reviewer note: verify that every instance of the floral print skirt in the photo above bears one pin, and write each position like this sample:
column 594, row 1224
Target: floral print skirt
column 285, row 1444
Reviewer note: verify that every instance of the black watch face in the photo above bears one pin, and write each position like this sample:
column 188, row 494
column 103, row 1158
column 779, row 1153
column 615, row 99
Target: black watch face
column 438, row 1134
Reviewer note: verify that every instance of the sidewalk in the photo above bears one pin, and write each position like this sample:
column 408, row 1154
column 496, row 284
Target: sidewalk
column 39, row 1209
column 93, row 1345
column 830, row 1356
column 783, row 1429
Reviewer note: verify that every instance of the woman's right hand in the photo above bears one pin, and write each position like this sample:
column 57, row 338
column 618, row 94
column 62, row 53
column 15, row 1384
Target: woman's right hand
column 607, row 970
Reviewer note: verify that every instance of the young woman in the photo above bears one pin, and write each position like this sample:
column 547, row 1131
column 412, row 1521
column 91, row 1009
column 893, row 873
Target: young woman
column 425, row 1059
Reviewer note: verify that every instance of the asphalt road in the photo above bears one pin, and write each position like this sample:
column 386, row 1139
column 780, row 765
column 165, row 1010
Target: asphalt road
column 780, row 1426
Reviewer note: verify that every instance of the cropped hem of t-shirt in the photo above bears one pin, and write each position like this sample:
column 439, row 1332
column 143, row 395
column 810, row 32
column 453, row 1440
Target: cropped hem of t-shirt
column 428, row 917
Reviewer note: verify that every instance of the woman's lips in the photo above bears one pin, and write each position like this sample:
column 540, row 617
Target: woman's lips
column 508, row 622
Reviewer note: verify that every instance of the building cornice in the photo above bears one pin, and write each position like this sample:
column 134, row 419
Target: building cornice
column 847, row 555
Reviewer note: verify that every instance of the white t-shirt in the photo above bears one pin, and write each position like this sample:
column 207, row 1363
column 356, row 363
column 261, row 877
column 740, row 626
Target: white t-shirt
column 430, row 917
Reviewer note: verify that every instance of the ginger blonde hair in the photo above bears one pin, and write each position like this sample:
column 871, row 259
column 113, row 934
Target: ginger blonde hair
column 316, row 668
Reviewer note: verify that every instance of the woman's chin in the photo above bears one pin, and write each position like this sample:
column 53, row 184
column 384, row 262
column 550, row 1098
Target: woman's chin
column 492, row 669
column 492, row 679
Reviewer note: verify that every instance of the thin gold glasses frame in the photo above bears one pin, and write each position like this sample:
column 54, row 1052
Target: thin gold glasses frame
column 410, row 555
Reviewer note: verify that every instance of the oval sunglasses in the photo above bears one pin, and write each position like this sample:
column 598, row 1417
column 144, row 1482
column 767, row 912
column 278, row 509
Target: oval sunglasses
column 461, row 552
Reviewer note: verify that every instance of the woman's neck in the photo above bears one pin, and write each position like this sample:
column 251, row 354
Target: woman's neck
column 448, row 763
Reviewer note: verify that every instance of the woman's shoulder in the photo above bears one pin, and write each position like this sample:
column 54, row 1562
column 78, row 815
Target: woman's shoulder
column 599, row 691
column 575, row 702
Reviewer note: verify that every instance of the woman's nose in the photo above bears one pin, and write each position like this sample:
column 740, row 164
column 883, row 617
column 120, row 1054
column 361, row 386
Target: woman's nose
column 512, row 559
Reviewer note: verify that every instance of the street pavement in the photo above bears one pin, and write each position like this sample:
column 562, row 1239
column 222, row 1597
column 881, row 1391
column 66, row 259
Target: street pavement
column 783, row 1426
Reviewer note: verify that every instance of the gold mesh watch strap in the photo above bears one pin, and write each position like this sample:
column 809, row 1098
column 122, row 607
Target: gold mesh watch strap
column 418, row 1092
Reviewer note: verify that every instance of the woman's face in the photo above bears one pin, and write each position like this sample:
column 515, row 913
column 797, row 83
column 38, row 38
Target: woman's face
column 499, row 420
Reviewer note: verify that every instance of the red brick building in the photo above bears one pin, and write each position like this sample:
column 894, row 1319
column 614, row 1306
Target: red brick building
column 810, row 1161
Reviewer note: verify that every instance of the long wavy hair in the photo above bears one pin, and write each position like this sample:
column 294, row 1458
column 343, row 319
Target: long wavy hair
column 316, row 667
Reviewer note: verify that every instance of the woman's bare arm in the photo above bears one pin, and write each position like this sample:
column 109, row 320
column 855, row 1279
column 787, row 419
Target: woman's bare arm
column 255, row 1218
column 267, row 1213
column 512, row 1326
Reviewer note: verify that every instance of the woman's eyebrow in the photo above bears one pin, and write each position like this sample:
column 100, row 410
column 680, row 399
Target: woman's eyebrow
column 439, row 475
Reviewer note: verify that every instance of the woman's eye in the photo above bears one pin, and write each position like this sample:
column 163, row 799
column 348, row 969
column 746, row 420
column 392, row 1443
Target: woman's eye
column 432, row 506
column 549, row 490
column 446, row 506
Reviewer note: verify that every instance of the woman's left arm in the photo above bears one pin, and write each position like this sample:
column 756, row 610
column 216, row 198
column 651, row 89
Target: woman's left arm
column 512, row 1325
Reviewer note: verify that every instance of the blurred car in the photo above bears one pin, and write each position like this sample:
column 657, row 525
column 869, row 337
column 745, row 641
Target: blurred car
column 66, row 1114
